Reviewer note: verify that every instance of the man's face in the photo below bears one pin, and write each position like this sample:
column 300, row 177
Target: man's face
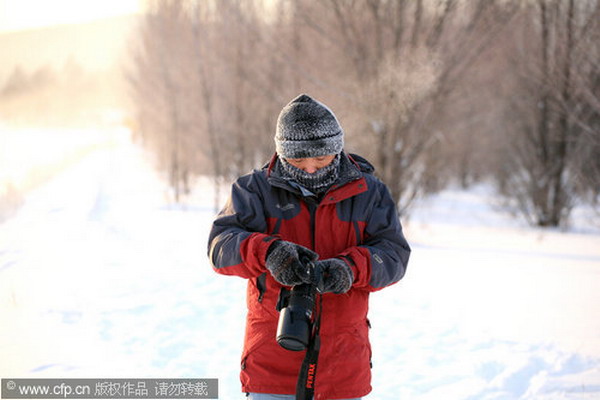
column 312, row 164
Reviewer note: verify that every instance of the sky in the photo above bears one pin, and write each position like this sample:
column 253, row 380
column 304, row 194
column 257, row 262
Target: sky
column 18, row 15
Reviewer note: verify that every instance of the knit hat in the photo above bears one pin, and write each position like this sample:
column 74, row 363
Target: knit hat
column 307, row 128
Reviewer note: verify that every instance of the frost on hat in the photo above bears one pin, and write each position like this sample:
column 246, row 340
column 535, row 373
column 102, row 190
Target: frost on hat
column 307, row 128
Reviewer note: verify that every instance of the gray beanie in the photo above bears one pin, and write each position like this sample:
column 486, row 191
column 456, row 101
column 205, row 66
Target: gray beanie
column 307, row 128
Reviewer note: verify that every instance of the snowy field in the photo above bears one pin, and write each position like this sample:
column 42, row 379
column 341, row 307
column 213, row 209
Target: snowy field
column 100, row 277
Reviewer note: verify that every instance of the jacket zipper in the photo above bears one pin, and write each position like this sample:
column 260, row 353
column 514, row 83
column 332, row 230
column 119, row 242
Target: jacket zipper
column 312, row 209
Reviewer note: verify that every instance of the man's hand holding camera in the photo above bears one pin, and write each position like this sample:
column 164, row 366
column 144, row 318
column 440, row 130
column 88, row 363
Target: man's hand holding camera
column 337, row 275
column 290, row 264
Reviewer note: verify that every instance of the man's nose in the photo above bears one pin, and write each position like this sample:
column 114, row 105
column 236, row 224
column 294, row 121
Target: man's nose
column 311, row 169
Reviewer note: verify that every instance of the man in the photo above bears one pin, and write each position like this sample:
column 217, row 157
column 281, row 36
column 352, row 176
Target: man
column 312, row 205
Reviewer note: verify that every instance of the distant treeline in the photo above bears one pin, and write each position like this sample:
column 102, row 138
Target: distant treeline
column 433, row 92
column 51, row 96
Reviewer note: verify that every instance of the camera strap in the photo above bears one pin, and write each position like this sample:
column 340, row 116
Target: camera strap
column 305, row 387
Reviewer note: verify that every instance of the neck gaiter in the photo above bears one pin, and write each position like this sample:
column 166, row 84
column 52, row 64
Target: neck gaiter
column 317, row 182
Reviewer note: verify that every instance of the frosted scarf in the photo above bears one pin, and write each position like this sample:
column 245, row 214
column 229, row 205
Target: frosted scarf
column 317, row 182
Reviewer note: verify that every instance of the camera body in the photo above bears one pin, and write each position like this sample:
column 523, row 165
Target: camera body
column 294, row 328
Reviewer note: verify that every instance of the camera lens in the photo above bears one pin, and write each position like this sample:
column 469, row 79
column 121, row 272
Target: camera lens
column 293, row 329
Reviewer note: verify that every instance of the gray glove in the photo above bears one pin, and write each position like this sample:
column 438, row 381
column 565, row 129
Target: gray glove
column 337, row 275
column 287, row 262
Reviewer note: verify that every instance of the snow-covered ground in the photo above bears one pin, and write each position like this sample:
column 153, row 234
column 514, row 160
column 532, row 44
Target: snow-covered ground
column 101, row 277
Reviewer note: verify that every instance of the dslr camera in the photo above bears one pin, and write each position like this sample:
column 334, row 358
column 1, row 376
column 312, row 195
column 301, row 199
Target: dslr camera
column 296, row 308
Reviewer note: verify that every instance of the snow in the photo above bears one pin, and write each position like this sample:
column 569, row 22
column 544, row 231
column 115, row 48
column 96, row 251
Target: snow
column 100, row 276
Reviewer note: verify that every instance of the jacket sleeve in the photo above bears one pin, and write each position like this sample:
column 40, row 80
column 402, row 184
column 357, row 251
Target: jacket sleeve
column 381, row 259
column 237, row 243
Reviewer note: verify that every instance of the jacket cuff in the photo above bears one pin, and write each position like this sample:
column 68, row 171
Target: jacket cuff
column 359, row 262
column 351, row 264
column 254, row 250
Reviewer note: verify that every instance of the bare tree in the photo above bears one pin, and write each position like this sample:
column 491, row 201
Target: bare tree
column 542, row 154
column 406, row 60
column 197, row 72
column 158, row 88
column 585, row 114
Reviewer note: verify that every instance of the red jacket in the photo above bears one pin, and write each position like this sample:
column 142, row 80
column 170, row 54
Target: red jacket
column 356, row 221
